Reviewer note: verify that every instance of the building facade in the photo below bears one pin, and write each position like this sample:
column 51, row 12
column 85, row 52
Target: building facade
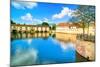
column 29, row 28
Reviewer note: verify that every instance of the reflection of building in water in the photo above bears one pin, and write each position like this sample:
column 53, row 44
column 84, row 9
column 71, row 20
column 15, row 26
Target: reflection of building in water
column 28, row 28
column 66, row 37
column 65, row 40
column 84, row 48
column 29, row 35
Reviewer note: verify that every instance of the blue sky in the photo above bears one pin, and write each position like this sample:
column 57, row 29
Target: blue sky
column 37, row 12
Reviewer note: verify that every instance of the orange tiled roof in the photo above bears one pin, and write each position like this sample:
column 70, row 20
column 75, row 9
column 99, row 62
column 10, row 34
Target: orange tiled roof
column 63, row 24
column 68, row 24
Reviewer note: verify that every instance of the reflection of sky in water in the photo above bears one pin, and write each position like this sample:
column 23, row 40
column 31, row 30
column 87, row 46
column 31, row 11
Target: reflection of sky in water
column 41, row 51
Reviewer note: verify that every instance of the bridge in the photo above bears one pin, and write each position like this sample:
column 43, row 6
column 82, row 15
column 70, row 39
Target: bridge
column 29, row 28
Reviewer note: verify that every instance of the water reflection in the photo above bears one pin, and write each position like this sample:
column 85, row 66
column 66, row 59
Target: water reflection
column 41, row 48
column 29, row 35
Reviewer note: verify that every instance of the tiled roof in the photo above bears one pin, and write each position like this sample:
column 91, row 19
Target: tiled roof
column 63, row 24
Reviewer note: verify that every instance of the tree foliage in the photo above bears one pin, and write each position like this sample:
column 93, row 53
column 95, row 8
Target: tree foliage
column 85, row 13
column 54, row 27
column 12, row 22
column 45, row 24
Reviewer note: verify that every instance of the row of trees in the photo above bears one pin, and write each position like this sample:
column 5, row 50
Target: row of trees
column 84, row 15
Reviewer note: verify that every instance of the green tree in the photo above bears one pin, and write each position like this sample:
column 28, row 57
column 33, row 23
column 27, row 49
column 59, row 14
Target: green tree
column 85, row 15
column 12, row 22
column 54, row 27
column 90, row 16
column 45, row 24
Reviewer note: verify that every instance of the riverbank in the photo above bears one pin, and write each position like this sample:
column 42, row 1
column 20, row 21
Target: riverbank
column 84, row 48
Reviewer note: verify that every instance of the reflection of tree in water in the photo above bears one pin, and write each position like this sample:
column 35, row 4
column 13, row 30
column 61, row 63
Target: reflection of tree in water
column 90, row 38
column 54, row 35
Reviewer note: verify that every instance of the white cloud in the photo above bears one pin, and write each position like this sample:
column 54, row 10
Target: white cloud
column 64, row 12
column 29, row 19
column 37, row 21
column 30, row 5
column 23, row 5
column 48, row 20
column 17, row 5
column 45, row 20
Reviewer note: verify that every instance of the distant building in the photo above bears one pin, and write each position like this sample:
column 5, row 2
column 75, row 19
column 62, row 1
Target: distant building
column 67, row 27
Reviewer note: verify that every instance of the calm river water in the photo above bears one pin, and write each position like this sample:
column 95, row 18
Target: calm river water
column 28, row 49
